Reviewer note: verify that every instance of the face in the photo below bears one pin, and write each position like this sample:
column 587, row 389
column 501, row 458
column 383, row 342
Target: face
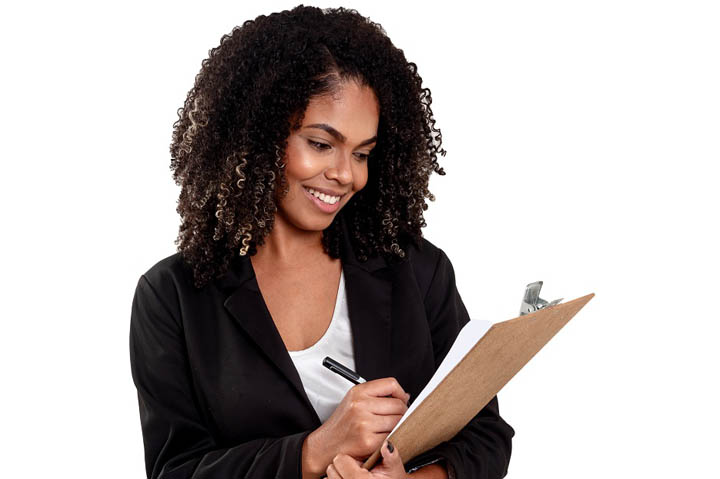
column 326, row 158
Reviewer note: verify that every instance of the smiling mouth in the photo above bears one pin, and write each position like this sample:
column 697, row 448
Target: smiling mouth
column 328, row 199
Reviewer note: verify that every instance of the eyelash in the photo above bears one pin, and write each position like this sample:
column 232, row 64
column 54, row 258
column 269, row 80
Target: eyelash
column 323, row 146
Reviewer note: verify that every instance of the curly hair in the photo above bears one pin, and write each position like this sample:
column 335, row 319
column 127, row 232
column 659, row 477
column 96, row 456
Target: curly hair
column 228, row 145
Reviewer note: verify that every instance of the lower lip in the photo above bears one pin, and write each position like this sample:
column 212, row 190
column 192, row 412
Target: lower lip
column 325, row 207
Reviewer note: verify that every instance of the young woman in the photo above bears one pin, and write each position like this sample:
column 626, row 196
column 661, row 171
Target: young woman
column 303, row 151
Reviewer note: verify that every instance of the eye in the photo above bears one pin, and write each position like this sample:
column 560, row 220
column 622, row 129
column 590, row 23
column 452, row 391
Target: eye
column 362, row 156
column 318, row 146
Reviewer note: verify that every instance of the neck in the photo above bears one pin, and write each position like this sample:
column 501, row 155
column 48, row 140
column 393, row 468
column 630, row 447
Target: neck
column 288, row 245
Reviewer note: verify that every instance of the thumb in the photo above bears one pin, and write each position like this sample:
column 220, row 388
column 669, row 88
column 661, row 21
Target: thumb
column 391, row 456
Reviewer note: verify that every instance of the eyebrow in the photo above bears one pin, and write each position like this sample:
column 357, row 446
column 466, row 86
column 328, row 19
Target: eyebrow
column 339, row 136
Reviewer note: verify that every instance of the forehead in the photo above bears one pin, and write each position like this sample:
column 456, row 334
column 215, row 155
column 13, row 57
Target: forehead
column 352, row 109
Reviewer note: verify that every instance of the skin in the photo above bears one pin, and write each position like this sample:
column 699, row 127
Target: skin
column 299, row 281
column 391, row 467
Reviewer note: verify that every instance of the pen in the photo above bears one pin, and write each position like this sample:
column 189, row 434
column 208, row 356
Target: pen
column 343, row 371
column 348, row 374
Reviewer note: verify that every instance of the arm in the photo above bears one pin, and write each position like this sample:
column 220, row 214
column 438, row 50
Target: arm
column 482, row 448
column 176, row 439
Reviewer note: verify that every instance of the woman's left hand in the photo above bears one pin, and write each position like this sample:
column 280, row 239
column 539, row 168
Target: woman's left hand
column 346, row 467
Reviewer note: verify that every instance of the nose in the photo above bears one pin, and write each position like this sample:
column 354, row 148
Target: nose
column 340, row 168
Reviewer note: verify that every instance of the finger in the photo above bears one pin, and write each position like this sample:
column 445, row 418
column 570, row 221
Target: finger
column 332, row 473
column 391, row 456
column 383, row 424
column 385, row 387
column 347, row 466
column 379, row 440
column 383, row 405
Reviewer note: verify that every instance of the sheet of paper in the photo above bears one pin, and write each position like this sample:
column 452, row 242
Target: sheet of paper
column 469, row 335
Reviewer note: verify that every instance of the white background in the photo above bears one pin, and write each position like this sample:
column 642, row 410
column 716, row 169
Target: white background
column 582, row 143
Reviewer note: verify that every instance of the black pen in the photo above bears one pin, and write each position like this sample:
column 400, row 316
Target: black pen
column 343, row 371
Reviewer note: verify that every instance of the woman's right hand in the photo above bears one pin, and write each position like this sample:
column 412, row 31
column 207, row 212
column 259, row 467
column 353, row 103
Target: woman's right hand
column 359, row 424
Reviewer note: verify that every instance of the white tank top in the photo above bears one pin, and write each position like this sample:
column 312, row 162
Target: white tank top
column 324, row 388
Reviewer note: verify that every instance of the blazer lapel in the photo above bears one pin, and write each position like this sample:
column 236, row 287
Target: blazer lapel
column 369, row 295
column 369, row 299
column 248, row 307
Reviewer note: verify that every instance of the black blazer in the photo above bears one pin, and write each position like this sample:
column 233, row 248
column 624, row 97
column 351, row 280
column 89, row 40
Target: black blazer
column 220, row 397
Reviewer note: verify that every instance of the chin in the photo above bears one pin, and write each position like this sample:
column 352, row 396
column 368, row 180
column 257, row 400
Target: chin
column 308, row 222
column 316, row 225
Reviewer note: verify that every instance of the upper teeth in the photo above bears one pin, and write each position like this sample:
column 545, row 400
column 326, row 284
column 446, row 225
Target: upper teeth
column 331, row 200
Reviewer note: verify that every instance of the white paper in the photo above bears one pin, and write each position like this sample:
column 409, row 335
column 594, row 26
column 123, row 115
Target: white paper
column 469, row 335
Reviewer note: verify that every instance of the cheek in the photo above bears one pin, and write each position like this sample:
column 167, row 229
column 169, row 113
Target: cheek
column 299, row 164
column 360, row 177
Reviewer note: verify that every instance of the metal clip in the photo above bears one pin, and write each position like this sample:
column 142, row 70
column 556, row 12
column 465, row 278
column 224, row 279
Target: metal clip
column 532, row 302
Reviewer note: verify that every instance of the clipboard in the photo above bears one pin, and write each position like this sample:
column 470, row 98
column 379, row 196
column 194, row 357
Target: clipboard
column 499, row 354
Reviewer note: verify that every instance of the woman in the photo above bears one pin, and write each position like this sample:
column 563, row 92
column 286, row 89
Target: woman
column 303, row 152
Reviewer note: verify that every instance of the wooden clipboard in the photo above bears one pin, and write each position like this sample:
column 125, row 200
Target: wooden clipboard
column 504, row 349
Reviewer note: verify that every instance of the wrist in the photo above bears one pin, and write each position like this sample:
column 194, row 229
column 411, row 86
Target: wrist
column 313, row 463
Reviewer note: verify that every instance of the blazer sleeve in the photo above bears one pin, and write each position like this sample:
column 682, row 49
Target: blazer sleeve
column 481, row 450
column 176, row 440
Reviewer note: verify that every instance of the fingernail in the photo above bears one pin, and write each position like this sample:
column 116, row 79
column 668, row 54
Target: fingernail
column 390, row 447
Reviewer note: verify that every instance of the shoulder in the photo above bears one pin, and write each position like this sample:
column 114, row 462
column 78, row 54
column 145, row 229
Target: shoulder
column 170, row 269
column 427, row 261
column 422, row 255
column 168, row 279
